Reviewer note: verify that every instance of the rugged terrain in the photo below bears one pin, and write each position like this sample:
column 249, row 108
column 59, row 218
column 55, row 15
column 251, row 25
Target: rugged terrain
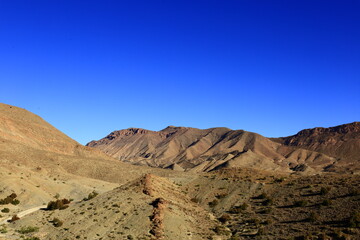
column 38, row 162
column 341, row 142
column 238, row 185
column 198, row 150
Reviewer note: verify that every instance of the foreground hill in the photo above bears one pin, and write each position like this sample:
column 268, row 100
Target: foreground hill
column 150, row 207
column 224, row 204
column 37, row 161
column 341, row 142
column 192, row 149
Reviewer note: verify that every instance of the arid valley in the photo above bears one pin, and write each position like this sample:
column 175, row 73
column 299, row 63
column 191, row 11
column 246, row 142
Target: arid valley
column 178, row 183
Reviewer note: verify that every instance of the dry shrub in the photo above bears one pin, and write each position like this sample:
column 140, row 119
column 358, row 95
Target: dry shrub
column 58, row 204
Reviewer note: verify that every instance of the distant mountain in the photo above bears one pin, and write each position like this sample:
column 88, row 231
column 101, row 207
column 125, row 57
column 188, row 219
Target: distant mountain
column 340, row 142
column 191, row 149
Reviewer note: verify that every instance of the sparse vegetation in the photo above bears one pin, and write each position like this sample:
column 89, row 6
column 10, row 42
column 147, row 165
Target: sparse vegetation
column 225, row 218
column 313, row 217
column 279, row 180
column 239, row 209
column 354, row 192
column 58, row 204
column 14, row 218
column 221, row 230
column 266, row 211
column 3, row 229
column 354, row 220
column 15, row 202
column 91, row 196
column 324, row 190
column 213, row 203
column 221, row 195
column 11, row 199
column 195, row 200
column 5, row 210
column 300, row 203
column 27, row 229
column 267, row 202
column 326, row 202
column 262, row 196
column 57, row 222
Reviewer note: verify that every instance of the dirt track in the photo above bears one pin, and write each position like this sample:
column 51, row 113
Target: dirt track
column 24, row 213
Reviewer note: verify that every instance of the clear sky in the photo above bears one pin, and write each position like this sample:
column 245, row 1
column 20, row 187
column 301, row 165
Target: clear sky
column 271, row 67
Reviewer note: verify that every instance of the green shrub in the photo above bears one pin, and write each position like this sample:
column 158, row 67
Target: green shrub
column 5, row 210
column 28, row 229
column 3, row 229
column 9, row 199
column 15, row 202
column 91, row 196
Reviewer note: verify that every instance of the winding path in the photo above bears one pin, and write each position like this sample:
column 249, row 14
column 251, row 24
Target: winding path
column 24, row 213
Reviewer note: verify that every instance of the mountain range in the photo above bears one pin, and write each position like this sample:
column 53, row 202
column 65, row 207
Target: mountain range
column 177, row 183
column 190, row 149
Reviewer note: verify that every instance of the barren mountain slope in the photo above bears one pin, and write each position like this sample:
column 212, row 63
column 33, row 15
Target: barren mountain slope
column 37, row 161
column 205, row 150
column 341, row 142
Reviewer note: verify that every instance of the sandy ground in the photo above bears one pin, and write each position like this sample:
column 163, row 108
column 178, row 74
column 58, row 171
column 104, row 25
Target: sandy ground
column 24, row 213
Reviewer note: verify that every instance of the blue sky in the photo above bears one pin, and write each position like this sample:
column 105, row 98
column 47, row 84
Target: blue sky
column 271, row 67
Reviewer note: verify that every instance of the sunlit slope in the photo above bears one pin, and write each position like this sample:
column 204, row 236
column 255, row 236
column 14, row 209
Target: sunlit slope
column 199, row 150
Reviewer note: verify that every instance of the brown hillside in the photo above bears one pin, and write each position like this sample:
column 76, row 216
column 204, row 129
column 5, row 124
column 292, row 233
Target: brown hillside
column 198, row 150
column 341, row 142
column 238, row 201
column 150, row 207
column 37, row 161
